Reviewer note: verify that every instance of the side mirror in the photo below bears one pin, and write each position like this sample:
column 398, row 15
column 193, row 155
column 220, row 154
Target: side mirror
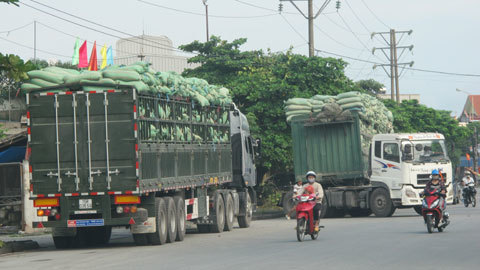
column 258, row 146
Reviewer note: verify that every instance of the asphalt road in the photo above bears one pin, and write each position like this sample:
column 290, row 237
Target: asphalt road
column 399, row 242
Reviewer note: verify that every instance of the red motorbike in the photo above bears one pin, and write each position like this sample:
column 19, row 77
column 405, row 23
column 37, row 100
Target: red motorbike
column 305, row 223
column 432, row 211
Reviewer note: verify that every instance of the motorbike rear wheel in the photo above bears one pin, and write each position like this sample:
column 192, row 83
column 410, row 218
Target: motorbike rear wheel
column 429, row 221
column 301, row 228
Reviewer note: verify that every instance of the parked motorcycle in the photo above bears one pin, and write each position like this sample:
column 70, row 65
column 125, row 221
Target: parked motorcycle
column 431, row 211
column 305, row 223
column 469, row 194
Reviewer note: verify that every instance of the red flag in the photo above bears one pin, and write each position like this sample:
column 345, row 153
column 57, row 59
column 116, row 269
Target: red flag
column 467, row 156
column 83, row 60
column 92, row 65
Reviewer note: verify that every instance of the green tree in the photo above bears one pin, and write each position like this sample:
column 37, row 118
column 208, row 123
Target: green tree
column 370, row 86
column 15, row 2
column 410, row 116
column 260, row 83
column 13, row 70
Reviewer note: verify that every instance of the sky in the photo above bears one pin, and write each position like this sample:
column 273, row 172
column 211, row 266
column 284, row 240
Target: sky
column 445, row 34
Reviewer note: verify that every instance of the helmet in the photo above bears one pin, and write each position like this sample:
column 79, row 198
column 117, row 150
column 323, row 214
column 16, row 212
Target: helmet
column 435, row 172
column 309, row 189
column 311, row 173
column 467, row 173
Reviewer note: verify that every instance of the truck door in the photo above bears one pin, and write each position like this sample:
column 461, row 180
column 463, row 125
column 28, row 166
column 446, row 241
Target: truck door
column 386, row 163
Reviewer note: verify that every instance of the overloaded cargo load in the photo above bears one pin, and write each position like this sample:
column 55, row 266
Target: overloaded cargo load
column 139, row 75
column 374, row 117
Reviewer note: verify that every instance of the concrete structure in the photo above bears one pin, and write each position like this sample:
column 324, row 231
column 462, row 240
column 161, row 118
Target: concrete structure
column 158, row 50
column 402, row 97
column 471, row 109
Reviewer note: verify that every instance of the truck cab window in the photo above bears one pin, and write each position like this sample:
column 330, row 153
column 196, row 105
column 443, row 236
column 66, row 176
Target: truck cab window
column 378, row 149
column 391, row 152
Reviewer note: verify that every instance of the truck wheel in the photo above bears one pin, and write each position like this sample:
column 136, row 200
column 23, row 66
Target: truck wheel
column 326, row 211
column 171, row 220
column 244, row 221
column 229, row 215
column 160, row 236
column 140, row 239
column 63, row 242
column 181, row 228
column 219, row 222
column 418, row 209
column 381, row 204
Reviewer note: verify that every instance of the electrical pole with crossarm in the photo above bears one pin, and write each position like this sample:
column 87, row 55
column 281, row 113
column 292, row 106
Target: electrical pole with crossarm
column 310, row 17
column 393, row 58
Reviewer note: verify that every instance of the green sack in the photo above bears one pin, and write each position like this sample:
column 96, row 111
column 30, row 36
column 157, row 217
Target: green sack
column 90, row 76
column 47, row 76
column 348, row 95
column 139, row 85
column 60, row 70
column 42, row 83
column 349, row 100
column 122, row 75
column 300, row 112
column 352, row 105
column 27, row 87
column 297, row 108
column 298, row 101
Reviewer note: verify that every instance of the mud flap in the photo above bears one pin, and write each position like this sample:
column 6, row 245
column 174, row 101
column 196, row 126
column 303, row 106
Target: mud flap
column 148, row 226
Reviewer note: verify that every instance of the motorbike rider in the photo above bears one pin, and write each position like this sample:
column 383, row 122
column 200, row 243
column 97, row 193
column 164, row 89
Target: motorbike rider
column 436, row 184
column 296, row 191
column 318, row 191
column 467, row 179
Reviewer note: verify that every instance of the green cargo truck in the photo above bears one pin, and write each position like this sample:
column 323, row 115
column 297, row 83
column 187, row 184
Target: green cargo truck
column 119, row 157
column 387, row 172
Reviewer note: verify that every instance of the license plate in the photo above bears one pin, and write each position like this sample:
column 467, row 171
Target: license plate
column 85, row 203
column 85, row 223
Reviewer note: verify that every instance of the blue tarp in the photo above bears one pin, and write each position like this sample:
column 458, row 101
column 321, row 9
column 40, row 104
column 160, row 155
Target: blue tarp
column 467, row 163
column 13, row 154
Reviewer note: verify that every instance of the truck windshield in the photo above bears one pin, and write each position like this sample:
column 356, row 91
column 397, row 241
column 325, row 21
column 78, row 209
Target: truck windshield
column 424, row 151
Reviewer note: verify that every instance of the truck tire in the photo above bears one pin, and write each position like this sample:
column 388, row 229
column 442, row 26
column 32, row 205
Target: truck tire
column 219, row 222
column 63, row 242
column 181, row 218
column 140, row 239
column 160, row 236
column 288, row 203
column 244, row 221
column 326, row 211
column 381, row 204
column 229, row 213
column 171, row 220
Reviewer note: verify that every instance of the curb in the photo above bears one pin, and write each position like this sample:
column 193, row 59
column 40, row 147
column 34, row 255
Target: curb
column 18, row 246
column 268, row 215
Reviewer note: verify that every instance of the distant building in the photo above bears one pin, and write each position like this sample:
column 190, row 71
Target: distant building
column 471, row 110
column 158, row 50
column 402, row 97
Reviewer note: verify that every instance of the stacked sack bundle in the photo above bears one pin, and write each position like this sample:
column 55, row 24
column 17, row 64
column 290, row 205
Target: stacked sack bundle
column 375, row 118
column 139, row 75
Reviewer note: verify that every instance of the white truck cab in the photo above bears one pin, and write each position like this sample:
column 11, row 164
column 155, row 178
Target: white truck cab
column 403, row 163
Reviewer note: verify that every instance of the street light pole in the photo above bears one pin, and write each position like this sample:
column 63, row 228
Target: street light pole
column 206, row 17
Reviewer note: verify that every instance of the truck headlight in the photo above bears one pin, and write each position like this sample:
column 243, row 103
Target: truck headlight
column 410, row 193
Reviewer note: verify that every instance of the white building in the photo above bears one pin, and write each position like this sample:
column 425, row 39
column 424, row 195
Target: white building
column 402, row 97
column 157, row 50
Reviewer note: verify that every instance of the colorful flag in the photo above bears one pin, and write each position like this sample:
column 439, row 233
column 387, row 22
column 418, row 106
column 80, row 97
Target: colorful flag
column 103, row 52
column 83, row 60
column 76, row 53
column 467, row 156
column 92, row 65
column 110, row 56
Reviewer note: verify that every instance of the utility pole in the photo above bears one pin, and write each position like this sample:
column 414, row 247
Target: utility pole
column 35, row 42
column 310, row 18
column 475, row 149
column 393, row 59
column 206, row 17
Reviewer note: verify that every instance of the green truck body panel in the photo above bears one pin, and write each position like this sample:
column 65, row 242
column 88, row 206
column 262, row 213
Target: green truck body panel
column 333, row 150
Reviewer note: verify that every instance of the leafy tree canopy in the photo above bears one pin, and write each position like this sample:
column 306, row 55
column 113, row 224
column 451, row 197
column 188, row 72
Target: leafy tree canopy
column 370, row 86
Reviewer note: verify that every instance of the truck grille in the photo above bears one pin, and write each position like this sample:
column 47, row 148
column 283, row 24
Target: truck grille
column 423, row 179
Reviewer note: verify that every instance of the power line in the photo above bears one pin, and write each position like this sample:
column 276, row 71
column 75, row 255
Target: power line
column 293, row 28
column 163, row 46
column 414, row 69
column 342, row 27
column 358, row 18
column 353, row 33
column 29, row 47
column 203, row 15
column 18, row 28
column 378, row 19
column 336, row 41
